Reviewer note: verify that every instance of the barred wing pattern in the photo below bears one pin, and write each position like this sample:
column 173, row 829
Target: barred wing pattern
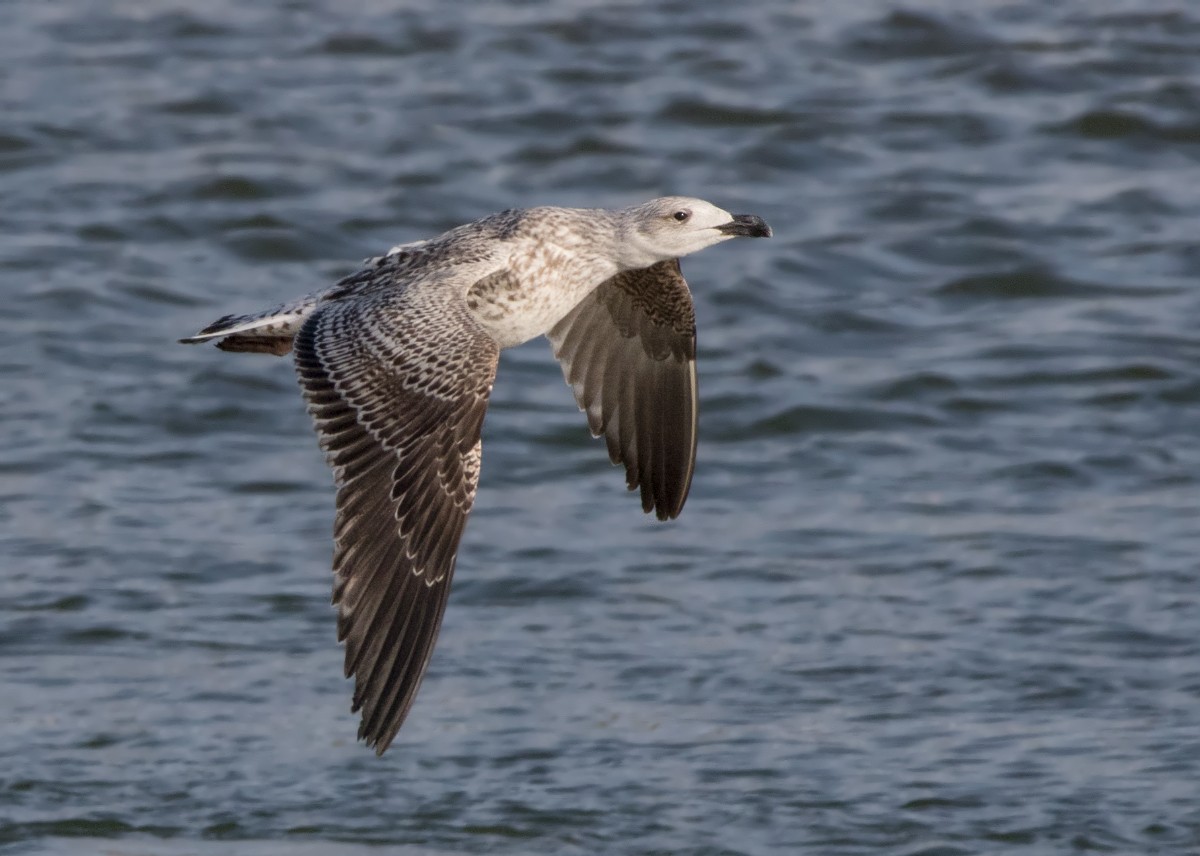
column 628, row 350
column 399, row 418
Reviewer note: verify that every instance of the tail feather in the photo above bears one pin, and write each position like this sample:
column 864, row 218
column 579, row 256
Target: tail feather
column 272, row 331
column 269, row 332
column 277, row 345
column 223, row 326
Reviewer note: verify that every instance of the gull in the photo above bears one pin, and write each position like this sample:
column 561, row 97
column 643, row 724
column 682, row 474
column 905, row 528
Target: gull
column 396, row 363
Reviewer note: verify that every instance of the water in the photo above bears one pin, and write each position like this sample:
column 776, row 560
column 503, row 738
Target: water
column 935, row 590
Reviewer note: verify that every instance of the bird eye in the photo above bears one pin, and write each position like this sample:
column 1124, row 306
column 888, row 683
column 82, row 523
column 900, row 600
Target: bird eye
column 681, row 216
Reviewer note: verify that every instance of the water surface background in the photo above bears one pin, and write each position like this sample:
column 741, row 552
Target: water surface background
column 936, row 590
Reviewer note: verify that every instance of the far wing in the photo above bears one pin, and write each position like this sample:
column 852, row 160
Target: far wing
column 628, row 350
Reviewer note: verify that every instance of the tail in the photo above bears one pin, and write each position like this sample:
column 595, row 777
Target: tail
column 272, row 331
column 269, row 332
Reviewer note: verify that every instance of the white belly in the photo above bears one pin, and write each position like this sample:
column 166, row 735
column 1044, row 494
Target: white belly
column 533, row 293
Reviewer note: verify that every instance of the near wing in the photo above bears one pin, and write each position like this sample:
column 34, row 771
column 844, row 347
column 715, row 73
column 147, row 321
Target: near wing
column 398, row 394
column 629, row 352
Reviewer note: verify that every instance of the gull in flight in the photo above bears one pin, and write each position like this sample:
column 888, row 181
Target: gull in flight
column 397, row 361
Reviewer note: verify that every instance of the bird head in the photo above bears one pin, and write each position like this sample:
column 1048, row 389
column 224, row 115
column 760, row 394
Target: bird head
column 674, row 226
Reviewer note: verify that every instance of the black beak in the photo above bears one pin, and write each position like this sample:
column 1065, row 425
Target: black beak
column 746, row 226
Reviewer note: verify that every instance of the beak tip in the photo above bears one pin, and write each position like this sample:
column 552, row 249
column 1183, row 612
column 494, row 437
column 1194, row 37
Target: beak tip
column 747, row 226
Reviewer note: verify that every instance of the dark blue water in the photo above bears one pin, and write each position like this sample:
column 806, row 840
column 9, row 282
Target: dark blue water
column 936, row 589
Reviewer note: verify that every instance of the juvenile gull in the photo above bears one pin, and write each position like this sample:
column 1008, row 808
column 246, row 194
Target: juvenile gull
column 397, row 361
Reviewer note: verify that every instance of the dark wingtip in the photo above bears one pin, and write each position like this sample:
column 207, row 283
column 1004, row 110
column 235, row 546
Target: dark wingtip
column 378, row 742
column 674, row 511
column 662, row 510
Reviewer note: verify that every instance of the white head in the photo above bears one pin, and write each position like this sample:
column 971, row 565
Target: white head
column 673, row 226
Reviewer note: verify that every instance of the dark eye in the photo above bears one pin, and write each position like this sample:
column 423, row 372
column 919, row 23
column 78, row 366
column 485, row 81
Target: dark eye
column 680, row 216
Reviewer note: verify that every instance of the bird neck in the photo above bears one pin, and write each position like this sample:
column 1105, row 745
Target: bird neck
column 632, row 250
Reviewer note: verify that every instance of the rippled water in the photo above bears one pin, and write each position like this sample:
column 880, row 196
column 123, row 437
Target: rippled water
column 936, row 588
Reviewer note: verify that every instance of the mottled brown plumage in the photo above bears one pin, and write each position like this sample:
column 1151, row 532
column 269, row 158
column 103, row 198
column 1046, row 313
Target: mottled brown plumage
column 396, row 363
